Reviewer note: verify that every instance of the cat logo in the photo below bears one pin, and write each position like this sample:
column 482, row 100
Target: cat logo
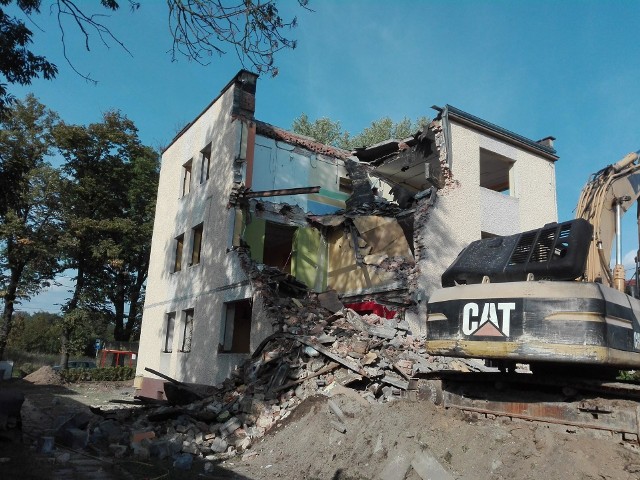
column 490, row 320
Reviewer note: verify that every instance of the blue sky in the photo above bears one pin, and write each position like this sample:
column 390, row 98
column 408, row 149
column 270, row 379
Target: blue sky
column 569, row 69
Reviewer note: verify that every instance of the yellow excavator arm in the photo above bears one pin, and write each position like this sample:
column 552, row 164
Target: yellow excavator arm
column 606, row 197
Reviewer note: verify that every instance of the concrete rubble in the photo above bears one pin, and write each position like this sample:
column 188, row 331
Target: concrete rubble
column 322, row 348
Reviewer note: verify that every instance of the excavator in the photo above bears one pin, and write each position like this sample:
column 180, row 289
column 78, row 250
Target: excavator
column 548, row 297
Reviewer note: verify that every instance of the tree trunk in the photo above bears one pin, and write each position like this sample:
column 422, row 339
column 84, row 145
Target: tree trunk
column 7, row 311
column 65, row 336
column 67, row 328
column 119, row 300
column 132, row 318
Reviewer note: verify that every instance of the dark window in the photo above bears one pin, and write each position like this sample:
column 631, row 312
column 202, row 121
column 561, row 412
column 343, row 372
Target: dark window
column 187, row 331
column 278, row 243
column 168, row 337
column 186, row 177
column 237, row 327
column 346, row 186
column 177, row 263
column 196, row 244
column 205, row 166
column 495, row 172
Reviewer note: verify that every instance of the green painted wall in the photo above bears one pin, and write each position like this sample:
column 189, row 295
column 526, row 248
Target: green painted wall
column 254, row 236
column 307, row 253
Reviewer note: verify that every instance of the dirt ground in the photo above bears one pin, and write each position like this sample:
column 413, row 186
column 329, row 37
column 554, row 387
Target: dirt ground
column 386, row 439
column 381, row 441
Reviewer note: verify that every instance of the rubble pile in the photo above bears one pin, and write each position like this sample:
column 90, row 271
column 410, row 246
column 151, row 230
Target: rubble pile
column 44, row 376
column 322, row 346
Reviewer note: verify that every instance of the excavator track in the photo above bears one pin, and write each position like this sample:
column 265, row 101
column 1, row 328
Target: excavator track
column 592, row 404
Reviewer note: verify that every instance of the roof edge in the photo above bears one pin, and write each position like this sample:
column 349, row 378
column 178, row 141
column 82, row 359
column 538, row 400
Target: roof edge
column 480, row 124
column 222, row 92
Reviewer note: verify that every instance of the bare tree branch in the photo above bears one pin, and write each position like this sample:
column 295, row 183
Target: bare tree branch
column 253, row 28
column 87, row 24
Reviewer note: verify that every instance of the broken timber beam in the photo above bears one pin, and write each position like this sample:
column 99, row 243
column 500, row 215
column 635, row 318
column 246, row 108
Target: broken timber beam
column 163, row 376
column 282, row 191
column 343, row 361
column 322, row 371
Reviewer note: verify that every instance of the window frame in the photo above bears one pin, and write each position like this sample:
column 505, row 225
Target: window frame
column 488, row 160
column 187, row 173
column 230, row 343
column 187, row 330
column 205, row 164
column 178, row 253
column 170, row 326
column 197, row 233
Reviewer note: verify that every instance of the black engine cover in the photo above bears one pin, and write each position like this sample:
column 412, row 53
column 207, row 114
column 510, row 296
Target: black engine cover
column 557, row 251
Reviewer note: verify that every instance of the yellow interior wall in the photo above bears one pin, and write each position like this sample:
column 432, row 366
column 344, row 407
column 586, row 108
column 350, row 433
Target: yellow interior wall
column 378, row 236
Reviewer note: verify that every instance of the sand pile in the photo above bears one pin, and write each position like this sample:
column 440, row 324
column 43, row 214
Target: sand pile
column 44, row 376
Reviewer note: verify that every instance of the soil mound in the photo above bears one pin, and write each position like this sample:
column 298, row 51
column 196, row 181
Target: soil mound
column 44, row 376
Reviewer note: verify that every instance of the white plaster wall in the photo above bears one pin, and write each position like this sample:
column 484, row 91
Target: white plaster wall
column 218, row 277
column 508, row 207
column 460, row 213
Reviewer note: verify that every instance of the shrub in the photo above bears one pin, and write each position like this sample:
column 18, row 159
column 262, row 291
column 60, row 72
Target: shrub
column 109, row 374
column 27, row 368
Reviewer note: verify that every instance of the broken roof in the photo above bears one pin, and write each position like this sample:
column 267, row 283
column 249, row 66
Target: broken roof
column 277, row 133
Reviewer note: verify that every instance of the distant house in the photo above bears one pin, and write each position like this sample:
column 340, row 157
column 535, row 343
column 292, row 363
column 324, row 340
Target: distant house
column 242, row 203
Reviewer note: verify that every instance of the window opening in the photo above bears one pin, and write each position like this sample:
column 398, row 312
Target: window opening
column 187, row 331
column 495, row 172
column 278, row 243
column 177, row 264
column 196, row 245
column 168, row 337
column 345, row 186
column 205, row 166
column 237, row 327
column 186, row 177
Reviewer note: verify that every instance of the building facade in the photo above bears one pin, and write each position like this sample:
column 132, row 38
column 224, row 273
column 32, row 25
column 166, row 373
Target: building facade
column 243, row 204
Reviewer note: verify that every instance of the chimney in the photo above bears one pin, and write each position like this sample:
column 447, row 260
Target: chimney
column 547, row 141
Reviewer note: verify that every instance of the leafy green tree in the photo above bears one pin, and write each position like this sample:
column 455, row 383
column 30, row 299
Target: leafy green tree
column 29, row 216
column 108, row 215
column 18, row 64
column 125, row 274
column 330, row 132
column 324, row 130
column 254, row 29
column 37, row 332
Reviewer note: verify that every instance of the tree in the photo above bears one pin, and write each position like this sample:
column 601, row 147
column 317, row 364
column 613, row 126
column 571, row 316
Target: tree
column 29, row 219
column 125, row 274
column 18, row 64
column 108, row 215
column 36, row 333
column 200, row 29
column 330, row 132
column 324, row 130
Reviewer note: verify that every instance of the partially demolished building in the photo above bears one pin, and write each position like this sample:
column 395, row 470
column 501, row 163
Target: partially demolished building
column 249, row 214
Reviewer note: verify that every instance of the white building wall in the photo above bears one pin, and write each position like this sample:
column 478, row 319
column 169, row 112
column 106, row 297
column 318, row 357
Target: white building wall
column 218, row 277
column 463, row 209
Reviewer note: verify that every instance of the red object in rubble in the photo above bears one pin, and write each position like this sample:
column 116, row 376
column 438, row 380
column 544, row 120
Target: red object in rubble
column 364, row 308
